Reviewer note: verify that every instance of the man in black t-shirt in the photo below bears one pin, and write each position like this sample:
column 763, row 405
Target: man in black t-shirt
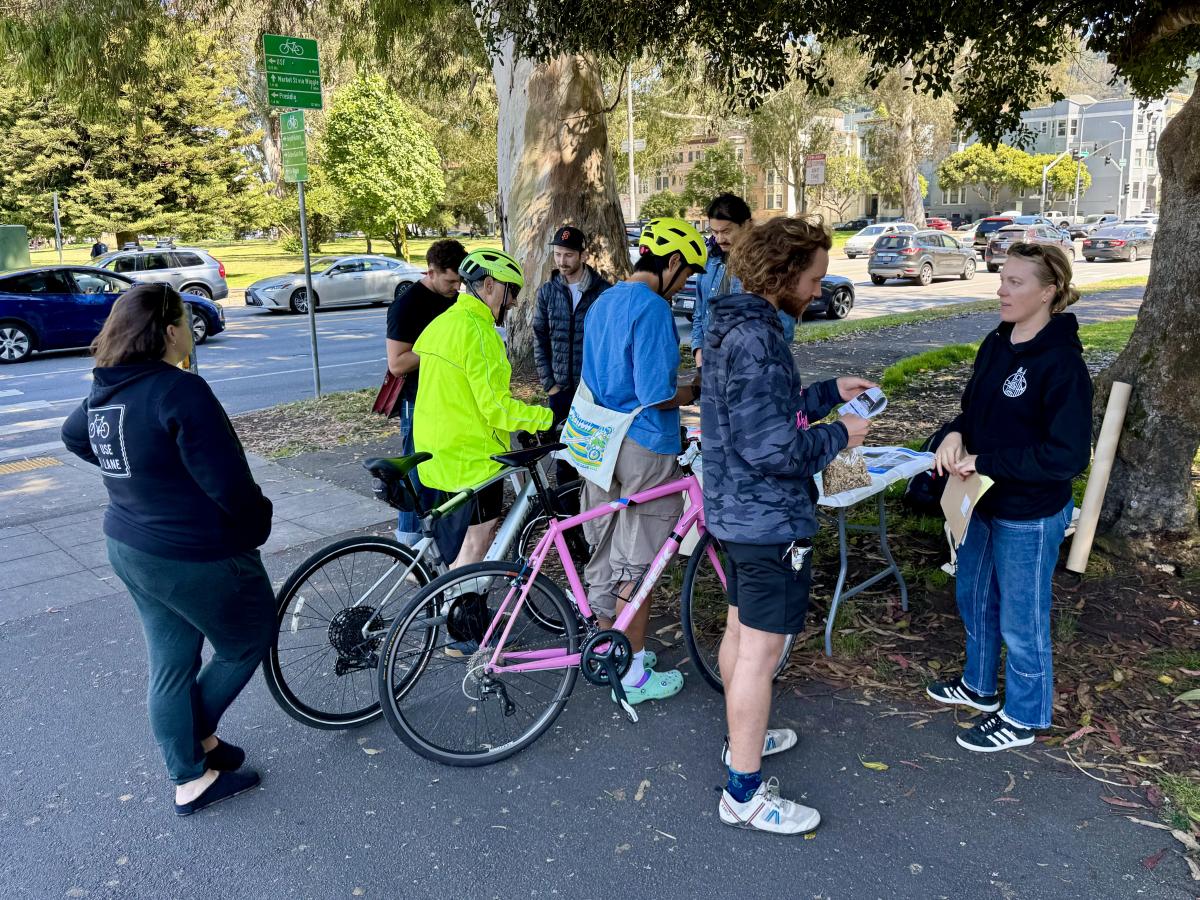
column 407, row 317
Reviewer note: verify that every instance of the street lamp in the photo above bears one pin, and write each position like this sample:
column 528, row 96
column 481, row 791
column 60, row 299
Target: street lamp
column 1120, row 169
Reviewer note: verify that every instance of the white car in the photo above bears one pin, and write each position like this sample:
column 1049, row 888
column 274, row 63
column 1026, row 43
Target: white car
column 337, row 281
column 1149, row 222
column 861, row 243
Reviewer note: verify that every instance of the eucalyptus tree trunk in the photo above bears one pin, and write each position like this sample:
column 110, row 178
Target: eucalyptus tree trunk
column 1151, row 497
column 910, row 185
column 554, row 168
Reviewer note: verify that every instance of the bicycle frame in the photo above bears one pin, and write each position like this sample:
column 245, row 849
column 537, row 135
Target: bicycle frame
column 426, row 548
column 535, row 660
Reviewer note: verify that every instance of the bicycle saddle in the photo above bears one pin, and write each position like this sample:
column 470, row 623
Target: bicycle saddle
column 522, row 459
column 396, row 466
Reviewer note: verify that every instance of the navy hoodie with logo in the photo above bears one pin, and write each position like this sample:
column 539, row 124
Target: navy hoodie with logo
column 1027, row 415
column 178, row 482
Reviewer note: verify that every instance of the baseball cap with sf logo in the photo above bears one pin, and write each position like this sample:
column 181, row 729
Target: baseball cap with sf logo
column 569, row 237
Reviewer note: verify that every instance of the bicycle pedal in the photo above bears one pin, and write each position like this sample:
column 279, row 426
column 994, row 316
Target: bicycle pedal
column 629, row 710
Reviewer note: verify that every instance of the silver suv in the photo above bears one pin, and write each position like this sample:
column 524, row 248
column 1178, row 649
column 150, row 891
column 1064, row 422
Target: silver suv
column 189, row 270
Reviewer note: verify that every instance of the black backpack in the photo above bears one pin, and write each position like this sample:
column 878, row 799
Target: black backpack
column 924, row 492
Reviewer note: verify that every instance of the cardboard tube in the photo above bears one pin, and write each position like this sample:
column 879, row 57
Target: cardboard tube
column 1097, row 485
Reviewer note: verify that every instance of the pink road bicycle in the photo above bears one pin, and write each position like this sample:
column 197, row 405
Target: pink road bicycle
column 482, row 660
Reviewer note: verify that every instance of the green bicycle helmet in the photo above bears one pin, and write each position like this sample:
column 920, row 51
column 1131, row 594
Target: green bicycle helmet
column 665, row 236
column 481, row 263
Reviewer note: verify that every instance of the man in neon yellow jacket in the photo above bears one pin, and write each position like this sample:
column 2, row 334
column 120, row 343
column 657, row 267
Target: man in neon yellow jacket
column 465, row 410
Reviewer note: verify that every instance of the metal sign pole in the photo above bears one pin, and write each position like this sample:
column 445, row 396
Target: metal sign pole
column 312, row 298
column 57, row 229
column 629, row 125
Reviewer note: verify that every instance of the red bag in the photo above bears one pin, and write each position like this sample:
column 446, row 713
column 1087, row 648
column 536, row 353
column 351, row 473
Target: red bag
column 387, row 401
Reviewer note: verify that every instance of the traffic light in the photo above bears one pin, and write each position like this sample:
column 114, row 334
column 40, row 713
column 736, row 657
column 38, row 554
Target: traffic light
column 1125, row 189
column 1108, row 159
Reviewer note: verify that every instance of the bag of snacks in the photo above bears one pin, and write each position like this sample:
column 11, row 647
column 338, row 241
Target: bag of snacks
column 847, row 471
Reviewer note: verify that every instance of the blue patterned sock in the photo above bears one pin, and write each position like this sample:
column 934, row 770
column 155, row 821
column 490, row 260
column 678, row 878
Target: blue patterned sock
column 742, row 785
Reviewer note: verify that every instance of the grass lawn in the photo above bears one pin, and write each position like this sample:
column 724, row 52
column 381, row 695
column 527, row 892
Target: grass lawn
column 248, row 261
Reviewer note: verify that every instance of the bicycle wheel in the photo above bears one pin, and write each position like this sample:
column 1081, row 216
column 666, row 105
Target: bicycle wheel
column 703, row 607
column 321, row 664
column 566, row 499
column 436, row 695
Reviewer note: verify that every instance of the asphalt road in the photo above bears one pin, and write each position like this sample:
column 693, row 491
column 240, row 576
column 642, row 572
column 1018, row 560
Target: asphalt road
column 263, row 359
column 597, row 808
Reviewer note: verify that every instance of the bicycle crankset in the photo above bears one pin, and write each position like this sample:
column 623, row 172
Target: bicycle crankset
column 604, row 660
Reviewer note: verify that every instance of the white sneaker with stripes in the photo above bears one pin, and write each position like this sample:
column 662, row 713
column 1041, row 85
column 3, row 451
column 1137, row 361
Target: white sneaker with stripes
column 954, row 693
column 995, row 733
column 776, row 741
column 765, row 810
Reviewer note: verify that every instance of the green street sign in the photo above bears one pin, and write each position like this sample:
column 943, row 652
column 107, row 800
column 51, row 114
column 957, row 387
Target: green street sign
column 1084, row 154
column 293, row 72
column 293, row 146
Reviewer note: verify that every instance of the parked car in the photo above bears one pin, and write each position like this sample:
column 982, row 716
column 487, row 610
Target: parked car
column 337, row 281
column 861, row 243
column 62, row 307
column 187, row 269
column 1127, row 242
column 835, row 302
column 1058, row 219
column 921, row 257
column 991, row 224
column 938, row 223
column 1091, row 224
column 997, row 248
column 853, row 225
column 1149, row 222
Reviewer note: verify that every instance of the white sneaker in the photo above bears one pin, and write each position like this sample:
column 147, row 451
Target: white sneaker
column 767, row 811
column 776, row 741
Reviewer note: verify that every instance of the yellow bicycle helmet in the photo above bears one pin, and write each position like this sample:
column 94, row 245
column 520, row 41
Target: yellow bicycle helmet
column 665, row 236
column 481, row 263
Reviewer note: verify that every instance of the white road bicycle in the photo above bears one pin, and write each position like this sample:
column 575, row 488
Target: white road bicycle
column 336, row 607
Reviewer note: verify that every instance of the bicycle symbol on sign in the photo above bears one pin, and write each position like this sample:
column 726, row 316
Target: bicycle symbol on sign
column 98, row 427
column 291, row 48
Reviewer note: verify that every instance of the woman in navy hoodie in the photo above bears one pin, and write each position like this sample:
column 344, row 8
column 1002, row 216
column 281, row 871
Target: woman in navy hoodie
column 183, row 523
column 1026, row 423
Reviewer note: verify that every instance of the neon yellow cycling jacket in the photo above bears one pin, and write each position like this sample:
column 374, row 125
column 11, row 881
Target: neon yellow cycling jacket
column 465, row 409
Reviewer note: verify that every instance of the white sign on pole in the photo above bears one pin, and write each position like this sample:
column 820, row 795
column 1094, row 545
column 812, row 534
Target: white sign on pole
column 814, row 169
column 639, row 144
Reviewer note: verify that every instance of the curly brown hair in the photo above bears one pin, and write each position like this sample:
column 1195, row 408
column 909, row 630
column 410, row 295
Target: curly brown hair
column 769, row 257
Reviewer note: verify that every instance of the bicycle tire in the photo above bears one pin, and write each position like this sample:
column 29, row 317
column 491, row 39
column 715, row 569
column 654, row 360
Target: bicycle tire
column 702, row 613
column 422, row 625
column 282, row 684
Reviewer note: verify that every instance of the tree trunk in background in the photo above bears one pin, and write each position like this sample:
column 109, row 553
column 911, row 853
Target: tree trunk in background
column 369, row 248
column 555, row 168
column 910, row 185
column 1151, row 496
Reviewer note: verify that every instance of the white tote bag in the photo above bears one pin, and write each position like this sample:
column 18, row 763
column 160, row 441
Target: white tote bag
column 593, row 435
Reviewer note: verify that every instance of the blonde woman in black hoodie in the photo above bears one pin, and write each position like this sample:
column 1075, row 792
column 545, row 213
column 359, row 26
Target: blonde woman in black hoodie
column 183, row 523
column 1026, row 423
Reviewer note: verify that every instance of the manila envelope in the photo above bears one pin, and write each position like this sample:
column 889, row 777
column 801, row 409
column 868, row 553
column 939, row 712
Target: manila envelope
column 959, row 500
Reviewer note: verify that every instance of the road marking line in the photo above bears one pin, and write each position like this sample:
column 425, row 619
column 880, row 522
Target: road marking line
column 31, row 425
column 13, row 393
column 24, row 407
column 361, row 362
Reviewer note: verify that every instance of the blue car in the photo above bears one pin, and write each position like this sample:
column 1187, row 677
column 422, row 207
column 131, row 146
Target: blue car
column 835, row 302
column 63, row 307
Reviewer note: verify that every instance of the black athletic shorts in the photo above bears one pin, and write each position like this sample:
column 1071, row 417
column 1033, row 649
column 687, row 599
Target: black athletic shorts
column 769, row 595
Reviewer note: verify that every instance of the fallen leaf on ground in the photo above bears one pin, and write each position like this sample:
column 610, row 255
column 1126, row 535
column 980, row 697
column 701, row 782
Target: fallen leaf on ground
column 1117, row 801
column 1155, row 797
column 1154, row 858
column 641, row 789
column 1086, row 729
column 900, row 659
column 1189, row 696
column 873, row 766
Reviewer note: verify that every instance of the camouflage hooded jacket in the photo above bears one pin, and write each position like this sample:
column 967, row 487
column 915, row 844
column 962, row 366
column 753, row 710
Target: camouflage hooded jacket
column 759, row 456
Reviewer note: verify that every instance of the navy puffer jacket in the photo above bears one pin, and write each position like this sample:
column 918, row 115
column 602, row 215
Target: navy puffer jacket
column 558, row 329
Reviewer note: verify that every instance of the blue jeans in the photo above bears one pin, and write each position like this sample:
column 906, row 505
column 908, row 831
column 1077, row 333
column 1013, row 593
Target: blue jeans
column 181, row 603
column 1005, row 567
column 407, row 522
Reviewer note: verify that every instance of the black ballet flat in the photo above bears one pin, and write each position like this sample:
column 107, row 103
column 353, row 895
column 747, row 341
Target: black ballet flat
column 228, row 784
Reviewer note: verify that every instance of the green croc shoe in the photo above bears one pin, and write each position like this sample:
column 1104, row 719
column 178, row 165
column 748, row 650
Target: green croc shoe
column 650, row 660
column 657, row 686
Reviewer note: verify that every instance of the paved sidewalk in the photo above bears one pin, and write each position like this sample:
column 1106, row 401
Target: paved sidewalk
column 52, row 545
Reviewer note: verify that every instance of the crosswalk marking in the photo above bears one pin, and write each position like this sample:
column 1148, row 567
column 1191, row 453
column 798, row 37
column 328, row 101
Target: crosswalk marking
column 23, row 407
column 30, row 450
column 10, row 393
column 31, row 425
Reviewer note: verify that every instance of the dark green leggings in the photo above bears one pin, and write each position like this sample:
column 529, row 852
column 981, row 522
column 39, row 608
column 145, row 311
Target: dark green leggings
column 229, row 602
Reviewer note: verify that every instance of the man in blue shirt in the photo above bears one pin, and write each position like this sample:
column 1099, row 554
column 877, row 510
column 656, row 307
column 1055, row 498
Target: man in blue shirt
column 728, row 216
column 631, row 359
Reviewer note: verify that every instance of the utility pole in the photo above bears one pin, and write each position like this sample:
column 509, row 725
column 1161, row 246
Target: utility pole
column 629, row 126
column 1121, row 169
column 1045, row 172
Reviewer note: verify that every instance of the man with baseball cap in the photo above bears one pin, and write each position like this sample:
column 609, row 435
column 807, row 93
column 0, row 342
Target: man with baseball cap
column 562, row 304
